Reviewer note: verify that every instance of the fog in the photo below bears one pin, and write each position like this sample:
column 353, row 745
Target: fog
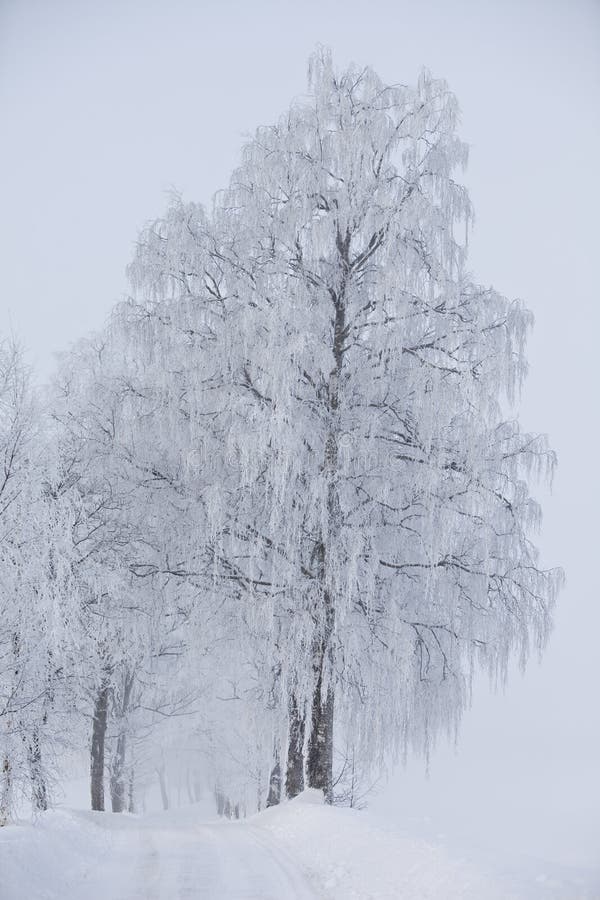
column 106, row 107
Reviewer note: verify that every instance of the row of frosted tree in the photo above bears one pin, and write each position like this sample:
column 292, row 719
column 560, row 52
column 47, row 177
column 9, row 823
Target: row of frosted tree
column 278, row 510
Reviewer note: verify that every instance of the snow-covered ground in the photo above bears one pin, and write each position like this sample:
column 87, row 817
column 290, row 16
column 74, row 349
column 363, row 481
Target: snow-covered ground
column 299, row 851
column 358, row 855
column 73, row 855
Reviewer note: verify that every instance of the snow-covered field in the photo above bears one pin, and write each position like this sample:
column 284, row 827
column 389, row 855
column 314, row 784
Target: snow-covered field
column 299, row 851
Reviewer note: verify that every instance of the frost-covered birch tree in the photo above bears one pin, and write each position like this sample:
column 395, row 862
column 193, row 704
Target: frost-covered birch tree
column 395, row 482
column 379, row 528
column 37, row 587
column 135, row 416
column 128, row 499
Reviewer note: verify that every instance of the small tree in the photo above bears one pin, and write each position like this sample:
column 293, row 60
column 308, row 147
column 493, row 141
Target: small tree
column 38, row 586
column 124, row 432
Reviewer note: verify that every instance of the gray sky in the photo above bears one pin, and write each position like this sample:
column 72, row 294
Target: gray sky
column 105, row 106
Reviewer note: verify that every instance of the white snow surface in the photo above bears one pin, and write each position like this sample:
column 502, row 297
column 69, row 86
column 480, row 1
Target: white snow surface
column 301, row 850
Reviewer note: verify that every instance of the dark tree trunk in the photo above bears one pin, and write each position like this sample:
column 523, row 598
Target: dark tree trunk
column 39, row 791
column 131, row 804
column 117, row 768
column 319, row 762
column 6, row 791
column 220, row 801
column 274, row 795
column 294, row 776
column 98, row 746
column 117, row 775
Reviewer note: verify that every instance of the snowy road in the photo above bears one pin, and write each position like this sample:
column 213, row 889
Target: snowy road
column 220, row 861
column 301, row 850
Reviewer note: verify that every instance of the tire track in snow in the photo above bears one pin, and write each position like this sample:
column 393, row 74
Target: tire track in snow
column 221, row 861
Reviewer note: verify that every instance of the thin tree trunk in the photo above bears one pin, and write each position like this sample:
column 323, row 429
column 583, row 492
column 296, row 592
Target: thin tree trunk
column 188, row 784
column 131, row 804
column 163, row 786
column 319, row 762
column 6, row 791
column 294, row 776
column 117, row 775
column 274, row 795
column 39, row 790
column 117, row 767
column 98, row 745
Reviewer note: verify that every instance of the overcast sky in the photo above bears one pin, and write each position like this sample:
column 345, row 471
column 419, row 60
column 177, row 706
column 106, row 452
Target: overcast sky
column 106, row 106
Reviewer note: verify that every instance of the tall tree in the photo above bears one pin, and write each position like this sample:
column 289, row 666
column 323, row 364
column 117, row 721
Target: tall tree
column 398, row 508
column 362, row 497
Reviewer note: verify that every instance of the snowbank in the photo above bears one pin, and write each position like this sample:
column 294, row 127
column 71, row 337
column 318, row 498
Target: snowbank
column 347, row 855
column 59, row 856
